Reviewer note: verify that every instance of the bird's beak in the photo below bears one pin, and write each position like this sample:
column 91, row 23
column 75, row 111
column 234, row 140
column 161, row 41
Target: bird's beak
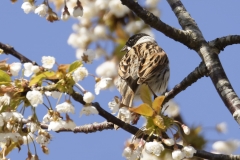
column 125, row 48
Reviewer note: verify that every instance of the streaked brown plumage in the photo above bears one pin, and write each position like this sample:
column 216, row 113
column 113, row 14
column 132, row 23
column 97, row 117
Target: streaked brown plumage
column 144, row 63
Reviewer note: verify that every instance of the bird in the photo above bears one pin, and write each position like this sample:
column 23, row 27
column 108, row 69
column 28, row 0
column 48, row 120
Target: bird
column 144, row 62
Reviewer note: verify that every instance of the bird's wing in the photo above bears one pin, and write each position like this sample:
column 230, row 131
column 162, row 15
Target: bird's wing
column 153, row 63
column 127, row 80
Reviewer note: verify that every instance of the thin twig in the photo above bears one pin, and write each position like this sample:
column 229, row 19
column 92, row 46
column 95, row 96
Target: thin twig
column 198, row 73
column 7, row 49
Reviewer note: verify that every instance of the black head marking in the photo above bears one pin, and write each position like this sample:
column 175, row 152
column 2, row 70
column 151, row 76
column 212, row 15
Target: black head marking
column 133, row 39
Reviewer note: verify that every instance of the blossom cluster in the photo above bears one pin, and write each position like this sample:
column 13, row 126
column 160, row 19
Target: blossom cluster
column 11, row 120
column 44, row 10
column 152, row 150
column 12, row 134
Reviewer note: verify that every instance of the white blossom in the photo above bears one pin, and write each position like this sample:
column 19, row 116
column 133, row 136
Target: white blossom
column 168, row 142
column 117, row 8
column 65, row 16
column 226, row 147
column 131, row 154
column 173, row 109
column 188, row 151
column 85, row 35
column 41, row 10
column 186, row 130
column 147, row 156
column 65, row 107
column 82, row 41
column 125, row 115
column 86, row 56
column 69, row 125
column 102, row 4
column 87, row 110
column 79, row 74
column 48, row 93
column 127, row 152
column 107, row 69
column 15, row 137
column 35, row 97
column 222, row 127
column 43, row 140
column 134, row 26
column 35, row 69
column 114, row 106
column 5, row 100
column 56, row 125
column 103, row 84
column 7, row 116
column 89, row 10
column 6, row 137
column 88, row 97
column 154, row 148
column 47, row 118
column 33, row 126
column 48, row 62
column 11, row 127
column 15, row 68
column 29, row 138
column 77, row 11
column 17, row 116
column 100, row 31
column 152, row 3
column 29, row 69
column 54, row 94
column 177, row 154
column 84, row 22
column 72, row 40
column 27, row 7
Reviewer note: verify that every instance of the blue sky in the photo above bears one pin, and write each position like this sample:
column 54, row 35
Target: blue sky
column 199, row 104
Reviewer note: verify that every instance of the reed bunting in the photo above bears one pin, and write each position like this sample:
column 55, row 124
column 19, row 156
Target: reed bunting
column 144, row 63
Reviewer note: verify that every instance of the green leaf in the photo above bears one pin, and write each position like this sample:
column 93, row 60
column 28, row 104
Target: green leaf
column 144, row 110
column 40, row 77
column 74, row 66
column 145, row 94
column 4, row 78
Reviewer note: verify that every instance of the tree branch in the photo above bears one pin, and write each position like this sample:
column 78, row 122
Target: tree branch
column 7, row 49
column 150, row 19
column 210, row 57
column 187, row 23
column 219, row 79
column 221, row 43
column 198, row 73
column 87, row 128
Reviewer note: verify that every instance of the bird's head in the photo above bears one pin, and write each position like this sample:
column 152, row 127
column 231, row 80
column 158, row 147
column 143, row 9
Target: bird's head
column 137, row 39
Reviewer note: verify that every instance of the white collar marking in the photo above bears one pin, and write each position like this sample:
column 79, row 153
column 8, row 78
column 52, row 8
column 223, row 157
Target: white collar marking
column 145, row 39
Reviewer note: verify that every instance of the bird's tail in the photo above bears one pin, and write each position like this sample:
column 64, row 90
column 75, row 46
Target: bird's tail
column 126, row 92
